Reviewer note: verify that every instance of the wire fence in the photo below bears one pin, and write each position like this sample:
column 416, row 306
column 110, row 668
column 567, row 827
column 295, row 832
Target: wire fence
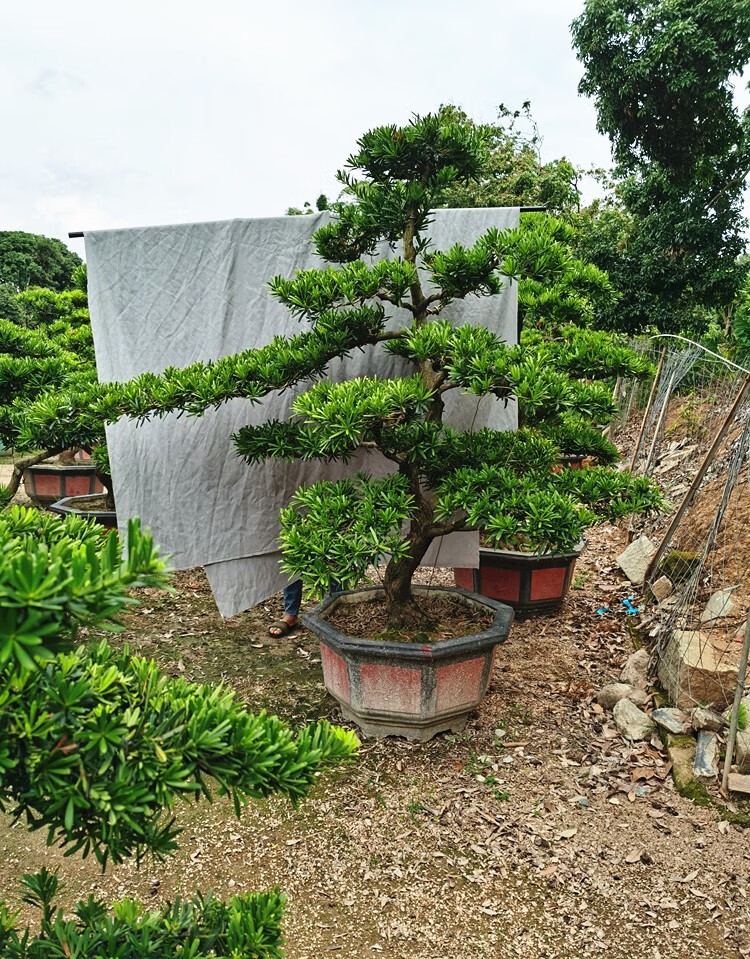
column 690, row 431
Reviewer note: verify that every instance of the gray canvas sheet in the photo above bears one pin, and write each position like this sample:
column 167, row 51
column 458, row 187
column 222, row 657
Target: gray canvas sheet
column 171, row 295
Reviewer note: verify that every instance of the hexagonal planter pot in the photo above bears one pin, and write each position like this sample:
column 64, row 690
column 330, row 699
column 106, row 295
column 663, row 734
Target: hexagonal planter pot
column 408, row 689
column 46, row 484
column 71, row 506
column 529, row 582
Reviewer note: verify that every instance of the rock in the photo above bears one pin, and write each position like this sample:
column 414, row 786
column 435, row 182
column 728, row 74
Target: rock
column 611, row 694
column 742, row 742
column 719, row 606
column 673, row 720
column 635, row 670
column 632, row 722
column 662, row 588
column 707, row 719
column 742, row 750
column 706, row 762
column 739, row 784
column 690, row 673
column 634, row 560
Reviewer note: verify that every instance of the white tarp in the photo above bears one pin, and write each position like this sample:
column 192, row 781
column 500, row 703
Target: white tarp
column 171, row 295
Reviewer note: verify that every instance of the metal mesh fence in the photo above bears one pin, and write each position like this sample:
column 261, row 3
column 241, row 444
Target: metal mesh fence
column 695, row 441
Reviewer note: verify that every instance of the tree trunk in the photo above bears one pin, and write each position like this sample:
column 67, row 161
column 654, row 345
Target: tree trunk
column 109, row 496
column 20, row 465
column 68, row 457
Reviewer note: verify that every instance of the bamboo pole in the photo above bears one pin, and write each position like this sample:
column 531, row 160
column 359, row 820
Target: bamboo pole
column 734, row 719
column 689, row 496
column 650, row 403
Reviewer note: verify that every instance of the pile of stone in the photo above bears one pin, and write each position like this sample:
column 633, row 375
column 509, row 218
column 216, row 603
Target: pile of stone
column 629, row 699
column 691, row 669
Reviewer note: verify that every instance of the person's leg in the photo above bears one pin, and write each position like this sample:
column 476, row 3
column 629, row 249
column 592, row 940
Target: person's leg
column 292, row 603
column 293, row 599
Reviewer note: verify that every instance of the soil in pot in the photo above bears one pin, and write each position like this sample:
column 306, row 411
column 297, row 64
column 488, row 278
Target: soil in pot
column 446, row 618
column 92, row 504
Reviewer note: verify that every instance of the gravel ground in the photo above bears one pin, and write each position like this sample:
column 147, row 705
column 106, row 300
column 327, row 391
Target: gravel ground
column 538, row 832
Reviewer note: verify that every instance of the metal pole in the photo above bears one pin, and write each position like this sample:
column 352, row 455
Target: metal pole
column 659, row 424
column 677, row 518
column 607, row 431
column 651, row 396
column 734, row 719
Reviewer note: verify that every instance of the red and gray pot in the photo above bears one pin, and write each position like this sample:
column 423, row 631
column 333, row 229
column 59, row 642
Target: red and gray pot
column 414, row 690
column 45, row 484
column 529, row 582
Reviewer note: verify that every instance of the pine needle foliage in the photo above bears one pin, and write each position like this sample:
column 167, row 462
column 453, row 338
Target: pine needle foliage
column 97, row 746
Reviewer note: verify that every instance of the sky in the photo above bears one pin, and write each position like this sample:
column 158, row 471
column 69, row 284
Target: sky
column 155, row 111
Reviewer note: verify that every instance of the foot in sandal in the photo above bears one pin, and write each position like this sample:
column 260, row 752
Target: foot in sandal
column 284, row 626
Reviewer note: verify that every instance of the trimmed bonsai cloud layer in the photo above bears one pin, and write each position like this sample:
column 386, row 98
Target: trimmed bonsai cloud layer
column 446, row 617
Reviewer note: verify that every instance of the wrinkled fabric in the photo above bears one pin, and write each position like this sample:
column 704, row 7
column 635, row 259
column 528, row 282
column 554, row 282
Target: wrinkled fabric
column 172, row 295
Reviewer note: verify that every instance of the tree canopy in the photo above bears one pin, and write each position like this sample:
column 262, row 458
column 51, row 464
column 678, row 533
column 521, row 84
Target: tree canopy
column 27, row 259
column 513, row 173
column 661, row 75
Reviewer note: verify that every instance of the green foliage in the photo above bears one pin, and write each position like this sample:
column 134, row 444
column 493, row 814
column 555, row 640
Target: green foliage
column 247, row 926
column 134, row 737
column 27, row 259
column 96, row 746
column 44, row 306
column 513, row 173
column 10, row 308
column 334, row 531
column 661, row 74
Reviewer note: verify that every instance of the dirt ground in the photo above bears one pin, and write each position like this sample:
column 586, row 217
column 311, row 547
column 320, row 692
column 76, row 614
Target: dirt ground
column 538, row 832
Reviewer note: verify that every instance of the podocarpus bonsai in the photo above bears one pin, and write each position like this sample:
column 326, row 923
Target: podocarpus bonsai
column 96, row 746
column 500, row 483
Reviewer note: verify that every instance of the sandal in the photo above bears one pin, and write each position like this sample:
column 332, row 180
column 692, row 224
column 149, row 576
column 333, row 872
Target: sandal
column 282, row 627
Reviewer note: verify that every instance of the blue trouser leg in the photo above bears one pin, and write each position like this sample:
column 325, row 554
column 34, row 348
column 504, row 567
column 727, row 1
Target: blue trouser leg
column 293, row 596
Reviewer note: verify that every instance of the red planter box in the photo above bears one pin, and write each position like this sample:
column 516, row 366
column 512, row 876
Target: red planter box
column 47, row 484
column 407, row 689
column 528, row 582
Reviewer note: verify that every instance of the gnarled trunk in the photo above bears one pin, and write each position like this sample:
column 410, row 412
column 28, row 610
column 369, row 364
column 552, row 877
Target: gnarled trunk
column 109, row 497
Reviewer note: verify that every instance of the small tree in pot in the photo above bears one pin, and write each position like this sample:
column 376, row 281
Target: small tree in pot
column 502, row 484
column 51, row 353
column 496, row 482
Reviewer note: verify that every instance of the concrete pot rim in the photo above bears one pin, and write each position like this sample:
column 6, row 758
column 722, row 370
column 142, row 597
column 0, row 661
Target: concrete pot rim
column 47, row 468
column 67, row 507
column 522, row 554
column 496, row 633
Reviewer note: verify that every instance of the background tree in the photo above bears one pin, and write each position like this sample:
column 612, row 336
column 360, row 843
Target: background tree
column 660, row 73
column 513, row 173
column 27, row 259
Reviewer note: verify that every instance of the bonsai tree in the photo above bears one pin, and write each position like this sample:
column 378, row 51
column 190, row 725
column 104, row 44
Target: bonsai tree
column 96, row 746
column 500, row 483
